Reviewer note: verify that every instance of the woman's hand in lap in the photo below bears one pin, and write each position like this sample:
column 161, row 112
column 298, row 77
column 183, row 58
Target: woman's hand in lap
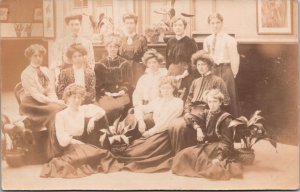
column 91, row 125
column 142, row 126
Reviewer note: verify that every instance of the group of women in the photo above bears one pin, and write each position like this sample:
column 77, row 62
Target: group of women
column 178, row 107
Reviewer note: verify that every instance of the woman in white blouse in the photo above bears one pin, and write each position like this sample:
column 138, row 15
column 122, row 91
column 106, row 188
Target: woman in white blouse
column 164, row 109
column 223, row 48
column 78, row 74
column 78, row 157
column 39, row 102
column 147, row 88
column 70, row 122
column 153, row 152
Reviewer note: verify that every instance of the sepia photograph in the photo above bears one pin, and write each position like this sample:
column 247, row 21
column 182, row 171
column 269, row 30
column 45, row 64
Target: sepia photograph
column 149, row 95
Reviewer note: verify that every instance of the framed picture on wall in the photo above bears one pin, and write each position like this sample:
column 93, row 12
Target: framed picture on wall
column 48, row 19
column 38, row 14
column 3, row 13
column 274, row 17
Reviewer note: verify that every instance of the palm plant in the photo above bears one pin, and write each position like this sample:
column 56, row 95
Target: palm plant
column 251, row 130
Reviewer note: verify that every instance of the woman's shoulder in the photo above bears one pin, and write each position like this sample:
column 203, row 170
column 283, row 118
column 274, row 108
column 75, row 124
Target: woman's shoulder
column 177, row 101
column 61, row 114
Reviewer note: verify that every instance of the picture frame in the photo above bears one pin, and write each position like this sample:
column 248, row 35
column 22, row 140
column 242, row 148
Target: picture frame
column 48, row 19
column 274, row 17
column 38, row 14
column 3, row 13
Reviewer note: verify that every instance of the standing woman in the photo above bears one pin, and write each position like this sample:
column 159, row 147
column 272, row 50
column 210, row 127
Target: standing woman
column 223, row 48
column 179, row 51
column 133, row 46
column 78, row 74
column 60, row 58
column 40, row 102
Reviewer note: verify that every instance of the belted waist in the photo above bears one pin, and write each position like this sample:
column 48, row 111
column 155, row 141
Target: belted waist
column 222, row 64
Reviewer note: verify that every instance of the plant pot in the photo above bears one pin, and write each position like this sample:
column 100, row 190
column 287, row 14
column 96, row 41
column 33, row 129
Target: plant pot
column 18, row 33
column 245, row 156
column 15, row 158
column 118, row 148
column 154, row 39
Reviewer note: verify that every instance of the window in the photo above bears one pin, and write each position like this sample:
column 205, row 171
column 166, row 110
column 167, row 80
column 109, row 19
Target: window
column 80, row 4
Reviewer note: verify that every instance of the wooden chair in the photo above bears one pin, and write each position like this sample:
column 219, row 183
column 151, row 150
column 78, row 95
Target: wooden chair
column 34, row 155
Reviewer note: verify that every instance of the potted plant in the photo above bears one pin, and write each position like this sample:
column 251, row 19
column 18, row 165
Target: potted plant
column 18, row 29
column 250, row 131
column 28, row 29
column 152, row 34
column 120, row 133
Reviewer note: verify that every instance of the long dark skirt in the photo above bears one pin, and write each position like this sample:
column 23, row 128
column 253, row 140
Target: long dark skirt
column 181, row 135
column 80, row 160
column 152, row 154
column 196, row 161
column 39, row 114
column 225, row 72
column 114, row 107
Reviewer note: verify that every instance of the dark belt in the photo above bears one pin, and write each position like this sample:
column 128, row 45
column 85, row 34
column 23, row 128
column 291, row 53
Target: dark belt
column 222, row 64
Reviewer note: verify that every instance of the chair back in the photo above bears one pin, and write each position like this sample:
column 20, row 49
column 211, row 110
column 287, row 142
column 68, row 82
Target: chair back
column 19, row 92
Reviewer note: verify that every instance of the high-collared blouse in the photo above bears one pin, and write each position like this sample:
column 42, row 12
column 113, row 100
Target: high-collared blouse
column 61, row 47
column 135, row 50
column 225, row 50
column 32, row 86
column 147, row 87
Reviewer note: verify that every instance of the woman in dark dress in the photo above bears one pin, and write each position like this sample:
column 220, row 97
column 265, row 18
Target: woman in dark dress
column 77, row 140
column 113, row 81
column 212, row 158
column 179, row 51
column 133, row 47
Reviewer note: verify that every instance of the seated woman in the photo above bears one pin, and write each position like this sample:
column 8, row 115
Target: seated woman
column 78, row 159
column 113, row 81
column 78, row 73
column 180, row 133
column 40, row 102
column 152, row 152
column 212, row 158
column 147, row 86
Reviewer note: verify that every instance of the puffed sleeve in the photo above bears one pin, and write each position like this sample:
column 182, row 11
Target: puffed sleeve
column 93, row 111
column 187, row 106
column 63, row 137
column 226, row 141
column 234, row 56
column 30, row 85
column 173, row 112
column 90, row 54
column 61, row 84
column 100, row 79
column 220, row 84
column 90, row 87
column 137, row 96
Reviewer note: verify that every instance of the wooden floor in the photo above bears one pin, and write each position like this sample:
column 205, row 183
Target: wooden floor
column 271, row 170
